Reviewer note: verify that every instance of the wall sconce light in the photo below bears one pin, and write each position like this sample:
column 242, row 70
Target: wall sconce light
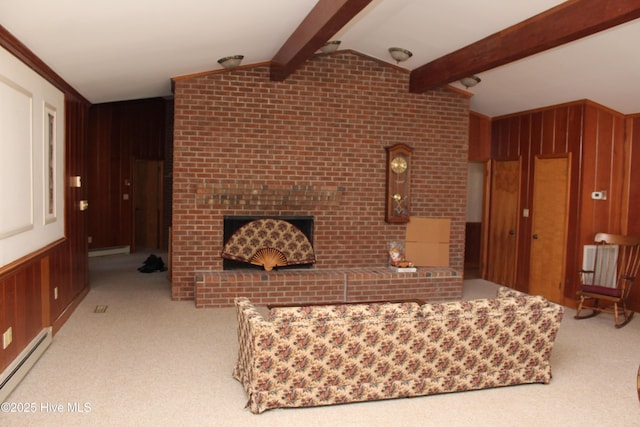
column 330, row 47
column 400, row 54
column 470, row 81
column 229, row 62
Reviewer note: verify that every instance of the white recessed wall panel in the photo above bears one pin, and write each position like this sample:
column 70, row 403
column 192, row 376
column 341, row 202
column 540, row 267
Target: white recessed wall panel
column 16, row 161
column 31, row 160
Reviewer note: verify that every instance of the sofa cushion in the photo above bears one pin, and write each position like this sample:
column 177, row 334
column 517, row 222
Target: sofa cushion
column 523, row 299
column 352, row 312
column 485, row 307
column 504, row 292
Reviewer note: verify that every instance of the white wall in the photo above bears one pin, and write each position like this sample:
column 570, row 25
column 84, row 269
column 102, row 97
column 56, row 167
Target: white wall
column 31, row 160
column 475, row 178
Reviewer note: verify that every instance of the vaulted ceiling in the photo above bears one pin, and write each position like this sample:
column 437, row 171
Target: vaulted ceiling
column 529, row 54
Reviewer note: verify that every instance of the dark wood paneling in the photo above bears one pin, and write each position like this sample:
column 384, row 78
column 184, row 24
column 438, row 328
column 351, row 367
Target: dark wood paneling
column 547, row 139
column 121, row 132
column 59, row 277
column 27, row 294
column 595, row 137
column 8, row 317
column 100, row 194
column 602, row 166
column 633, row 176
column 21, row 301
column 632, row 192
column 472, row 244
column 561, row 143
column 77, row 119
column 574, row 144
column 514, row 144
column 479, row 137
column 620, row 154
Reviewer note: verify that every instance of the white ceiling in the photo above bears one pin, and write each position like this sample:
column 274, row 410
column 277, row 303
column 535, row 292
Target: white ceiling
column 128, row 49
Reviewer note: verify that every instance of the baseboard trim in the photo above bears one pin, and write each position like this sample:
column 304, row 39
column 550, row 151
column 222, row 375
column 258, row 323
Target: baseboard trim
column 110, row 251
column 68, row 311
column 18, row 369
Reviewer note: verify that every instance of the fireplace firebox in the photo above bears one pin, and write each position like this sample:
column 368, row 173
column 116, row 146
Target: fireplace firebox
column 233, row 223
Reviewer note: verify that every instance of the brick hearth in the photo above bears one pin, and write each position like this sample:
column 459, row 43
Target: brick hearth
column 219, row 288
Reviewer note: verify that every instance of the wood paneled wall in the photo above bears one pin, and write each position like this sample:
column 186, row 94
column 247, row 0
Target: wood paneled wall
column 21, row 306
column 632, row 178
column 27, row 300
column 120, row 132
column 600, row 160
column 479, row 137
column 77, row 120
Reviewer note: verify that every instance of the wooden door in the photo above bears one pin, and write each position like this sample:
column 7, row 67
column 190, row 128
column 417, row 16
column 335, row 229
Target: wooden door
column 148, row 205
column 503, row 222
column 549, row 227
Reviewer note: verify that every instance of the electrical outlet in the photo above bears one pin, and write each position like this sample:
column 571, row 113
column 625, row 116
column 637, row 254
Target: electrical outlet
column 55, row 293
column 7, row 338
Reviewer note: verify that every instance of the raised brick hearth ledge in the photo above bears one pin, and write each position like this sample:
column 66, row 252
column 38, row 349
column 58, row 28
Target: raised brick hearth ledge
column 219, row 288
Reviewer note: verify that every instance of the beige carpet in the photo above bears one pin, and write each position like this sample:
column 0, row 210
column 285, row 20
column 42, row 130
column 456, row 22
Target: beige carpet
column 148, row 361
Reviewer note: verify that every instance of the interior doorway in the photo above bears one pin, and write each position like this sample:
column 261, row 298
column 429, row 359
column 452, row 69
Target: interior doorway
column 148, row 195
column 477, row 191
column 503, row 230
column 549, row 227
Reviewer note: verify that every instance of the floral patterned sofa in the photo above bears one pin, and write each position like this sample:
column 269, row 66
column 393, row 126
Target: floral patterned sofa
column 322, row 355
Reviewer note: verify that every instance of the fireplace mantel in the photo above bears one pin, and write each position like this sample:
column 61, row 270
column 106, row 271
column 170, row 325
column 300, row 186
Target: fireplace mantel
column 264, row 195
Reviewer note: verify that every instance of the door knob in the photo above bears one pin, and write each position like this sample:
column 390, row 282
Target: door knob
column 512, row 232
column 535, row 236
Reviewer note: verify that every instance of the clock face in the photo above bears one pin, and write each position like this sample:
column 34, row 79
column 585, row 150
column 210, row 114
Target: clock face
column 398, row 164
column 398, row 180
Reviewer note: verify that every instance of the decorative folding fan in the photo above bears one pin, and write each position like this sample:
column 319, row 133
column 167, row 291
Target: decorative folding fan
column 269, row 242
column 269, row 258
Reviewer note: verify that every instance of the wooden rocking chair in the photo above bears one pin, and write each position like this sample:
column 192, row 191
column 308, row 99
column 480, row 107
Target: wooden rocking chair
column 610, row 269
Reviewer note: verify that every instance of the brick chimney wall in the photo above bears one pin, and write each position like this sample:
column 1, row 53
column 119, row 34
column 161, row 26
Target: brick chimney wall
column 311, row 145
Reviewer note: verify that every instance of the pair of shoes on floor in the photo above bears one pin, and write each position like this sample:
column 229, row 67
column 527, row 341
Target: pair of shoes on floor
column 151, row 264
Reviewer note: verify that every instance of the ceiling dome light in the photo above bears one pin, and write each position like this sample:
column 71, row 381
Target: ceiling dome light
column 229, row 62
column 330, row 47
column 400, row 54
column 470, row 81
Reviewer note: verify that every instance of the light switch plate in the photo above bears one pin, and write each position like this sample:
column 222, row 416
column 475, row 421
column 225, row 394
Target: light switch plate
column 7, row 338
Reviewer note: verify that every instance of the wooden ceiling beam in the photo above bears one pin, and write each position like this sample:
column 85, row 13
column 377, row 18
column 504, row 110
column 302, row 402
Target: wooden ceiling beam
column 562, row 24
column 325, row 19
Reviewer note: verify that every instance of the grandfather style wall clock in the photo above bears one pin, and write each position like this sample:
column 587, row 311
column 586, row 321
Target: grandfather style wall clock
column 398, row 195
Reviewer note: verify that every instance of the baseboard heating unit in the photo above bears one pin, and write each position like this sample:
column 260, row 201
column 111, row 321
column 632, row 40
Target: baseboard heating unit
column 18, row 369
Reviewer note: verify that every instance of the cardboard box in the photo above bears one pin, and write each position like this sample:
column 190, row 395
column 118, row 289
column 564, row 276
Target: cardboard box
column 428, row 230
column 427, row 242
column 427, row 254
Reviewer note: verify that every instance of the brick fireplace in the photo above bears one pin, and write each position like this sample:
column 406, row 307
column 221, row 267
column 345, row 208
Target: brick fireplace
column 234, row 223
column 313, row 146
